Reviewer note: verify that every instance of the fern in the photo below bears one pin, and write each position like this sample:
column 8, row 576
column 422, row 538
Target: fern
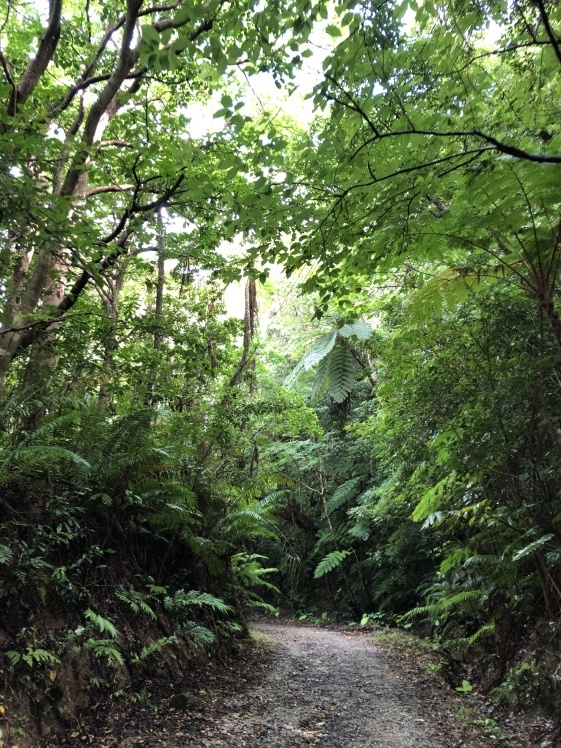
column 360, row 330
column 319, row 351
column 28, row 461
column 104, row 648
column 198, row 634
column 104, row 625
column 532, row 547
column 257, row 603
column 151, row 649
column 343, row 493
column 342, row 371
column 253, row 522
column 321, row 379
column 336, row 364
column 32, row 657
column 6, row 555
column 248, row 569
column 182, row 600
column 330, row 562
column 487, row 630
column 359, row 531
column 135, row 600
column 443, row 606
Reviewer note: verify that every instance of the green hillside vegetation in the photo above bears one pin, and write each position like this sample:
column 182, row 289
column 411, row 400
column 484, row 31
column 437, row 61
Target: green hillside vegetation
column 376, row 437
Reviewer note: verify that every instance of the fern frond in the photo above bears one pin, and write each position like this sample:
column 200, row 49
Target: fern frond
column 342, row 371
column 104, row 625
column 182, row 600
column 343, row 493
column 532, row 547
column 330, row 562
column 359, row 531
column 197, row 633
column 321, row 379
column 317, row 352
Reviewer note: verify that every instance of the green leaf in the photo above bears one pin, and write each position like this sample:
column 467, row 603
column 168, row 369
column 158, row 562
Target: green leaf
column 330, row 562
column 333, row 30
column 149, row 35
column 361, row 330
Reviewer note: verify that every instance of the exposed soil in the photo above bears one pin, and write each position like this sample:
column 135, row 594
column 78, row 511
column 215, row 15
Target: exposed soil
column 303, row 686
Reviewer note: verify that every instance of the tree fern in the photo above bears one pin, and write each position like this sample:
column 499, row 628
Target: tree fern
column 361, row 330
column 318, row 351
column 321, row 379
column 342, row 372
column 336, row 364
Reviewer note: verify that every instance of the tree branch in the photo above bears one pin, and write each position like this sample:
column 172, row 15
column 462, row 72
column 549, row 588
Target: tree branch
column 109, row 188
column 548, row 28
column 37, row 66
column 127, row 58
column 497, row 144
column 115, row 144
column 409, row 169
column 86, row 78
column 7, row 70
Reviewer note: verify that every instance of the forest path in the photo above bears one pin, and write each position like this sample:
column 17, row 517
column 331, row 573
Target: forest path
column 300, row 686
column 329, row 689
column 334, row 689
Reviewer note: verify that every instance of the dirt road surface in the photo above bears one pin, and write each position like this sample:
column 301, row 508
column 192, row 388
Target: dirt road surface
column 335, row 690
column 303, row 686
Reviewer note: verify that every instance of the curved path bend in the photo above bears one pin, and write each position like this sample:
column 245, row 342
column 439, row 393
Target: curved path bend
column 329, row 689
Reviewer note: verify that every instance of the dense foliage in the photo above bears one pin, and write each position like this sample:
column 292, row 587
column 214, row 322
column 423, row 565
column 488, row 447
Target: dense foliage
column 389, row 450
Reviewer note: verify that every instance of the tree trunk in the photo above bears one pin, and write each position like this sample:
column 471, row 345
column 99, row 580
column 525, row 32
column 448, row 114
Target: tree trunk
column 250, row 323
column 110, row 301
column 151, row 396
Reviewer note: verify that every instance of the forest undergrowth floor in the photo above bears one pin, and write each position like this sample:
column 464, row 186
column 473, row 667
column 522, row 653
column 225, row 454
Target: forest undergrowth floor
column 306, row 686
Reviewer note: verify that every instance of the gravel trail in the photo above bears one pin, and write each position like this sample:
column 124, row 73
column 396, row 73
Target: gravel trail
column 336, row 690
column 301, row 686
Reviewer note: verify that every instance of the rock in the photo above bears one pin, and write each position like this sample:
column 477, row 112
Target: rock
column 183, row 701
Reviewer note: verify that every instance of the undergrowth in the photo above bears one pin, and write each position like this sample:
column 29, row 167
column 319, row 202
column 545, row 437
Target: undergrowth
column 114, row 562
